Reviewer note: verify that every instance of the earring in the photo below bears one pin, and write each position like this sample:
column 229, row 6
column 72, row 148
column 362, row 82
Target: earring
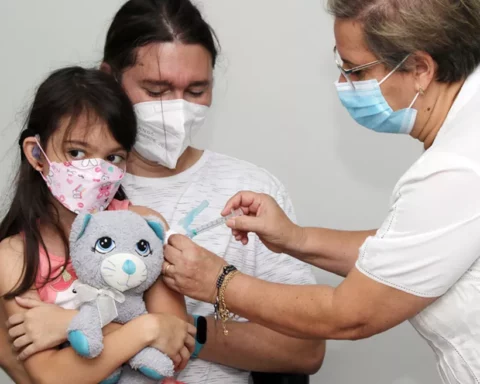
column 421, row 91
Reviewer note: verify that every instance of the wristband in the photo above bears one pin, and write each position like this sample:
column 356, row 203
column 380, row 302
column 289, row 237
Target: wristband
column 200, row 323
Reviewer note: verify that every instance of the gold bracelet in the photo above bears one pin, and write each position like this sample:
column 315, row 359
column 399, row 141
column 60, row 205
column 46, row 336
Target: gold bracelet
column 223, row 311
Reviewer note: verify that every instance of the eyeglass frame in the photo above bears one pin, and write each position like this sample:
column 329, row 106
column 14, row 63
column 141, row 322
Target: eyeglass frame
column 347, row 72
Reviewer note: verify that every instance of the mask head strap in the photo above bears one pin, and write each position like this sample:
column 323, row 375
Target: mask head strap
column 414, row 100
column 37, row 139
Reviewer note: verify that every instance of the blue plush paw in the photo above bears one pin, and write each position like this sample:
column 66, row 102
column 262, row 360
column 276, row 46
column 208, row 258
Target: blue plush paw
column 79, row 343
column 151, row 373
column 112, row 380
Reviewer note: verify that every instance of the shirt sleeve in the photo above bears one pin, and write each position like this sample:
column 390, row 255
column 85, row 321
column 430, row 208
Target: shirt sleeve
column 431, row 236
column 281, row 268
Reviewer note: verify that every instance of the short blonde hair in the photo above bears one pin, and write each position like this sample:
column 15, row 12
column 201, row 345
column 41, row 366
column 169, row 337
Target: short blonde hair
column 448, row 30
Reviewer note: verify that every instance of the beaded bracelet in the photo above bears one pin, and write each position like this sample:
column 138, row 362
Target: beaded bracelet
column 221, row 310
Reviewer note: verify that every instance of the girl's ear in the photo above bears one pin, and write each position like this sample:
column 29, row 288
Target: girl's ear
column 33, row 154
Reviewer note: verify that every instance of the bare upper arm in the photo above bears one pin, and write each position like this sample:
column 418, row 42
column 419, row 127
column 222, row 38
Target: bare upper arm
column 11, row 272
column 12, row 262
column 161, row 299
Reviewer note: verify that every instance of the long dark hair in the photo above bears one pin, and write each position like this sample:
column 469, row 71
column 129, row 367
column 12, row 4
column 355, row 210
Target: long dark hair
column 141, row 22
column 66, row 93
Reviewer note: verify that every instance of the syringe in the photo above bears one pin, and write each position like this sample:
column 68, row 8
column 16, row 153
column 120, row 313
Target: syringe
column 214, row 223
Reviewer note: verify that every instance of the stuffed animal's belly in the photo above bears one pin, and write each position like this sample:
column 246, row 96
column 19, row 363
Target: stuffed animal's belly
column 132, row 307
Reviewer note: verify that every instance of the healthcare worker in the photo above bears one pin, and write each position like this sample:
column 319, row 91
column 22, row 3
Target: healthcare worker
column 407, row 67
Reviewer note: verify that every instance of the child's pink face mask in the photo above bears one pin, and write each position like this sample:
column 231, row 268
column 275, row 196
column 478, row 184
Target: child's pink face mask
column 87, row 185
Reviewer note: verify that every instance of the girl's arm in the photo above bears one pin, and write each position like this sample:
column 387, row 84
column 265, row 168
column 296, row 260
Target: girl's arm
column 58, row 366
column 160, row 298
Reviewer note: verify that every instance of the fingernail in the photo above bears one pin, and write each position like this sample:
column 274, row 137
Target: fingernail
column 231, row 223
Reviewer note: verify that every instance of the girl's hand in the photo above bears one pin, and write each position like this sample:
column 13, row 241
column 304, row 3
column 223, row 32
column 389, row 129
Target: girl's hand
column 172, row 336
column 43, row 326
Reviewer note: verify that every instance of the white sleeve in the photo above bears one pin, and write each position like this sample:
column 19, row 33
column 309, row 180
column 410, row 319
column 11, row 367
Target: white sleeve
column 431, row 236
column 281, row 268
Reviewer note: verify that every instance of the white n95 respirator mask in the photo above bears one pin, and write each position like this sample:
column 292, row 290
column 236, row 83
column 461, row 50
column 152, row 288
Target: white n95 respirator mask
column 165, row 129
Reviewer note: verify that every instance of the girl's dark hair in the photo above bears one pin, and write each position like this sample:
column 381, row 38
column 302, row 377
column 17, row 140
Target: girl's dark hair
column 141, row 22
column 68, row 93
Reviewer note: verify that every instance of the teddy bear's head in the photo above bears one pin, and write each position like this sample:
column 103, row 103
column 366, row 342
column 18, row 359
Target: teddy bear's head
column 117, row 249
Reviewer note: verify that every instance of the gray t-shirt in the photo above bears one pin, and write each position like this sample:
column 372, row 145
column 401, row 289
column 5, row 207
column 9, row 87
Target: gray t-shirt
column 215, row 178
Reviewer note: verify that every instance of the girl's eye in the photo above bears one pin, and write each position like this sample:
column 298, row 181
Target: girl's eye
column 76, row 154
column 143, row 248
column 115, row 159
column 104, row 245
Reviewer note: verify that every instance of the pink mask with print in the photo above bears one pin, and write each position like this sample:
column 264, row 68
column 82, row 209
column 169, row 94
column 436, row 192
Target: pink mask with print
column 83, row 186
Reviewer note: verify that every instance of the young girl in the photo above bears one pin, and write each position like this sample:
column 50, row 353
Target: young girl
column 79, row 132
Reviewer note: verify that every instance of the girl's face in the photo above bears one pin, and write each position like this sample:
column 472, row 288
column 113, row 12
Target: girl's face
column 85, row 138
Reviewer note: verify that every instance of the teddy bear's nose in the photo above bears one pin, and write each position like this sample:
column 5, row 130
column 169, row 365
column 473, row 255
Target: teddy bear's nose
column 129, row 267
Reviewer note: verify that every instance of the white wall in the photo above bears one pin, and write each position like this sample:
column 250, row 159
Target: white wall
column 274, row 82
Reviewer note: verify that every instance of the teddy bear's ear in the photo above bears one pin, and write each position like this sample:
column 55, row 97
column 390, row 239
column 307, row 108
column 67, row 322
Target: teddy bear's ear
column 79, row 226
column 157, row 227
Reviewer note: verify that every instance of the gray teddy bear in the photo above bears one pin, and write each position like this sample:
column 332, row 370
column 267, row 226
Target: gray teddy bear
column 117, row 256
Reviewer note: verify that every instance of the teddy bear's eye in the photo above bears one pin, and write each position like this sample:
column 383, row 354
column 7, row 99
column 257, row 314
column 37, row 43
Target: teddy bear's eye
column 104, row 245
column 143, row 248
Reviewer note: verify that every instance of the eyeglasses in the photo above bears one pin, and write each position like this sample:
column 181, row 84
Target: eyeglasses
column 346, row 73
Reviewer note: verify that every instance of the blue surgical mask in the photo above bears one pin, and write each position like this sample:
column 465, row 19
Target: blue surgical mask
column 368, row 107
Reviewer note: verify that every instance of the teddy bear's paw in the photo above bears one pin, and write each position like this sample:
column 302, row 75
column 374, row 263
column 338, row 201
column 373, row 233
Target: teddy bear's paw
column 153, row 364
column 79, row 343
column 83, row 346
column 113, row 378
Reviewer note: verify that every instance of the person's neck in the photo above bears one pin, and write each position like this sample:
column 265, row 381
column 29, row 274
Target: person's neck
column 437, row 103
column 138, row 166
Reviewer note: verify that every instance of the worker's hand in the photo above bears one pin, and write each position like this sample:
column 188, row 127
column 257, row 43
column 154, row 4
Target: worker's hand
column 190, row 269
column 263, row 216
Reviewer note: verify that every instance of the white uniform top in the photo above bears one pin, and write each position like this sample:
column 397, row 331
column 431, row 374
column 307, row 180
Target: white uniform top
column 429, row 245
column 215, row 178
